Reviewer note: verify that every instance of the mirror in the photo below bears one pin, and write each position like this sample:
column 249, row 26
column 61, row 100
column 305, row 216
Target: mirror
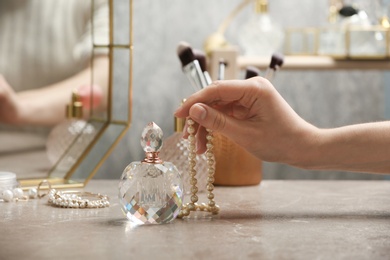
column 107, row 51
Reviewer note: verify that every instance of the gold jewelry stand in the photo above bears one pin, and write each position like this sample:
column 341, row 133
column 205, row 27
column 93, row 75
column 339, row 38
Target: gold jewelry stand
column 111, row 128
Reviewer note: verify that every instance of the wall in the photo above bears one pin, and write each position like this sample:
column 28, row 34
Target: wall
column 326, row 99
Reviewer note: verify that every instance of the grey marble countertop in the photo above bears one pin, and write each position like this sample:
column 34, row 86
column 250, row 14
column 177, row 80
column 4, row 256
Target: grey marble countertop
column 275, row 220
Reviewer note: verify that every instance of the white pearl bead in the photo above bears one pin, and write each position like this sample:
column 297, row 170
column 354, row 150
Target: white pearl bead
column 33, row 193
column 191, row 207
column 191, row 129
column 18, row 193
column 192, row 155
column 211, row 170
column 7, row 195
column 211, row 203
column 186, row 212
column 194, row 189
column 194, row 198
column 210, row 179
column 192, row 164
column 191, row 147
column 210, row 155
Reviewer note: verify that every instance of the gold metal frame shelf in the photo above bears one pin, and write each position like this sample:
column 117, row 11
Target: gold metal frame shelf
column 117, row 120
column 314, row 62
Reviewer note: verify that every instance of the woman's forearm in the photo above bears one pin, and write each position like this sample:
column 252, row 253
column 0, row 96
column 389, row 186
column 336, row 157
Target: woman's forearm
column 46, row 106
column 359, row 148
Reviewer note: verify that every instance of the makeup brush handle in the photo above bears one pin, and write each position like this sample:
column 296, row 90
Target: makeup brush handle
column 269, row 74
column 207, row 77
column 194, row 83
column 199, row 76
column 195, row 75
column 221, row 70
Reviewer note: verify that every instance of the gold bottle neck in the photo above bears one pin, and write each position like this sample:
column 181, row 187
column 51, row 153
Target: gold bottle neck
column 261, row 6
column 179, row 124
column 75, row 108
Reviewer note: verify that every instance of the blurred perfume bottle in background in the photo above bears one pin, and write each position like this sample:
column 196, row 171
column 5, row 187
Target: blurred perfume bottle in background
column 175, row 150
column 260, row 36
column 73, row 131
column 332, row 37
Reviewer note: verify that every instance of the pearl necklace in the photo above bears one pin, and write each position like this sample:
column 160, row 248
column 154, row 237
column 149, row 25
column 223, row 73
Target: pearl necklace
column 193, row 205
column 77, row 199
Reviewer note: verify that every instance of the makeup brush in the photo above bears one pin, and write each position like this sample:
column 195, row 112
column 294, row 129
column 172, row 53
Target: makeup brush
column 191, row 66
column 200, row 56
column 221, row 69
column 251, row 71
column 276, row 63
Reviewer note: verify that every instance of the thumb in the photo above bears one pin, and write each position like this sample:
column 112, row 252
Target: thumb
column 211, row 118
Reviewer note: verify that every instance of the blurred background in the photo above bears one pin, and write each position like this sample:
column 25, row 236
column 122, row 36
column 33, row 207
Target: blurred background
column 323, row 98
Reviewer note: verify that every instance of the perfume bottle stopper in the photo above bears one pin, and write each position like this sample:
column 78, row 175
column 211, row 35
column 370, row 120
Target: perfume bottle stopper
column 151, row 142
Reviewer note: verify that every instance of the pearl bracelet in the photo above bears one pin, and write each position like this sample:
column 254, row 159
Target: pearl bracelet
column 64, row 199
column 77, row 199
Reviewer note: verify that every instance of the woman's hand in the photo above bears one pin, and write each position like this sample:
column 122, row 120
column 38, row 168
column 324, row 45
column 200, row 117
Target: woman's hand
column 252, row 114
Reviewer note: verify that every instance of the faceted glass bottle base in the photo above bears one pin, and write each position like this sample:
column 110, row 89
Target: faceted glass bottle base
column 151, row 193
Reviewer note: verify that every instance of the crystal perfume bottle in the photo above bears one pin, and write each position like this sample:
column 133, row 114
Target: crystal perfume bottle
column 175, row 150
column 260, row 36
column 151, row 191
column 73, row 131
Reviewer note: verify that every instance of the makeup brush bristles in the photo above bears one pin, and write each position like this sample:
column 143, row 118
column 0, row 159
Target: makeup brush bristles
column 276, row 61
column 185, row 53
column 251, row 72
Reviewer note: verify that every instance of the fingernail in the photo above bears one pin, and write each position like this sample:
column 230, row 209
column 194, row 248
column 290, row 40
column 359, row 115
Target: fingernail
column 198, row 112
column 177, row 110
column 180, row 107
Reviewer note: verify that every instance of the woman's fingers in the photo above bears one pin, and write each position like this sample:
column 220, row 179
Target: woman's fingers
column 242, row 92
